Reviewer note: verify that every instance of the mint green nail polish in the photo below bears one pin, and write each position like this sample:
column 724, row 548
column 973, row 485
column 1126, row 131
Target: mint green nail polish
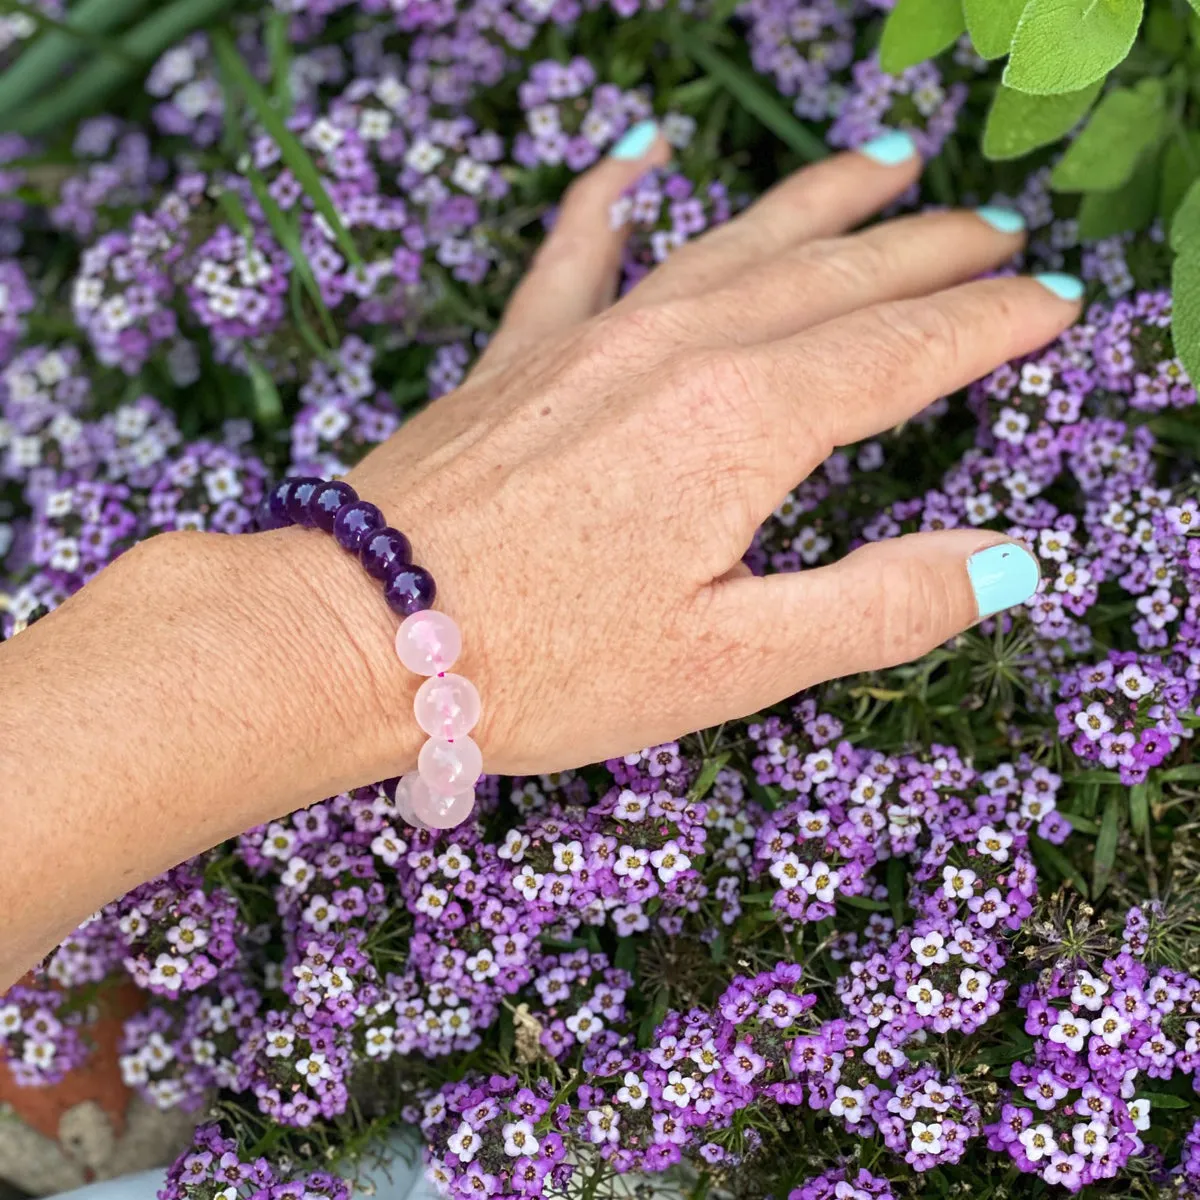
column 889, row 149
column 1004, row 220
column 1065, row 287
column 1002, row 577
column 636, row 141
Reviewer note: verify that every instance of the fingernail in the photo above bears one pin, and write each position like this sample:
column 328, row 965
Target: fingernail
column 636, row 141
column 1065, row 287
column 1002, row 576
column 1003, row 220
column 889, row 149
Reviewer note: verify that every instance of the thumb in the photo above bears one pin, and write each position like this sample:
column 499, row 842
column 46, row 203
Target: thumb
column 886, row 603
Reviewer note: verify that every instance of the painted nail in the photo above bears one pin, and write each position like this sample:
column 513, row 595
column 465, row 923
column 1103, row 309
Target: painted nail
column 1002, row 576
column 636, row 141
column 889, row 149
column 1003, row 220
column 1065, row 287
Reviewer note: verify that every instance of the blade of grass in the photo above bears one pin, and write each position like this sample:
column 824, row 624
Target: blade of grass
column 289, row 238
column 1106, row 843
column 88, row 89
column 292, row 152
column 49, row 25
column 285, row 233
column 268, row 408
column 279, row 51
column 40, row 63
column 755, row 99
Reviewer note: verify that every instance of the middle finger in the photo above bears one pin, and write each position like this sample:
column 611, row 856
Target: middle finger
column 816, row 282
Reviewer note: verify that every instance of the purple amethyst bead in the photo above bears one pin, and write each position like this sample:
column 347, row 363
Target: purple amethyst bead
column 277, row 501
column 354, row 522
column 298, row 498
column 410, row 589
column 383, row 551
column 324, row 503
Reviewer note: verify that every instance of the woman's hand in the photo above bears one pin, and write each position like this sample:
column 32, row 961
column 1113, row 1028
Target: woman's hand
column 585, row 498
column 583, row 501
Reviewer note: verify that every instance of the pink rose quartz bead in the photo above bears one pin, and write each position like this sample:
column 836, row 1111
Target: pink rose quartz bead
column 447, row 706
column 428, row 642
column 450, row 767
column 443, row 812
column 405, row 789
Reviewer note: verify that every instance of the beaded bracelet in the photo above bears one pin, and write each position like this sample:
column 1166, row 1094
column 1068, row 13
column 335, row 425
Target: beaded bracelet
column 440, row 793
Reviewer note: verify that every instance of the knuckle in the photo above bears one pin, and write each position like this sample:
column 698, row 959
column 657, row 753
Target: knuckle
column 912, row 333
column 851, row 265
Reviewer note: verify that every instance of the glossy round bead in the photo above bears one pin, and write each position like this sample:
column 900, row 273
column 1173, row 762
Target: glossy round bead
column 298, row 498
column 428, row 642
column 277, row 501
column 450, row 767
column 324, row 503
column 354, row 522
column 406, row 787
column 383, row 551
column 431, row 811
column 410, row 589
column 447, row 706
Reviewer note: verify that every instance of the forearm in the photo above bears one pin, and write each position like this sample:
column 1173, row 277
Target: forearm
column 199, row 686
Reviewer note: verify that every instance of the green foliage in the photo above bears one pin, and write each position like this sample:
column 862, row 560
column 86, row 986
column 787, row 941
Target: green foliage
column 1063, row 45
column 294, row 155
column 1185, row 279
column 1126, row 123
column 992, row 24
column 755, row 99
column 917, row 30
column 1018, row 123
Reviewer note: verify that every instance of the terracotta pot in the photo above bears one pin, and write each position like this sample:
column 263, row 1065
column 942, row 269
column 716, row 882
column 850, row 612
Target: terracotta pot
column 90, row 1126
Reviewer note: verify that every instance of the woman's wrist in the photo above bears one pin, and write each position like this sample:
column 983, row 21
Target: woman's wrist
column 314, row 659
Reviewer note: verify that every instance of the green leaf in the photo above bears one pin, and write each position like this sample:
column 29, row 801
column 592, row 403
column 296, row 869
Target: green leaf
column 1063, row 45
column 1106, row 844
column 1139, row 808
column 708, row 775
column 291, row 151
column 1125, row 124
column 626, row 957
column 1050, row 858
column 1126, row 210
column 991, row 24
column 1191, row 772
column 268, row 408
column 1164, row 1099
column 1180, row 169
column 1185, row 237
column 1185, row 295
column 867, row 903
column 1018, row 123
column 755, row 99
column 917, row 30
